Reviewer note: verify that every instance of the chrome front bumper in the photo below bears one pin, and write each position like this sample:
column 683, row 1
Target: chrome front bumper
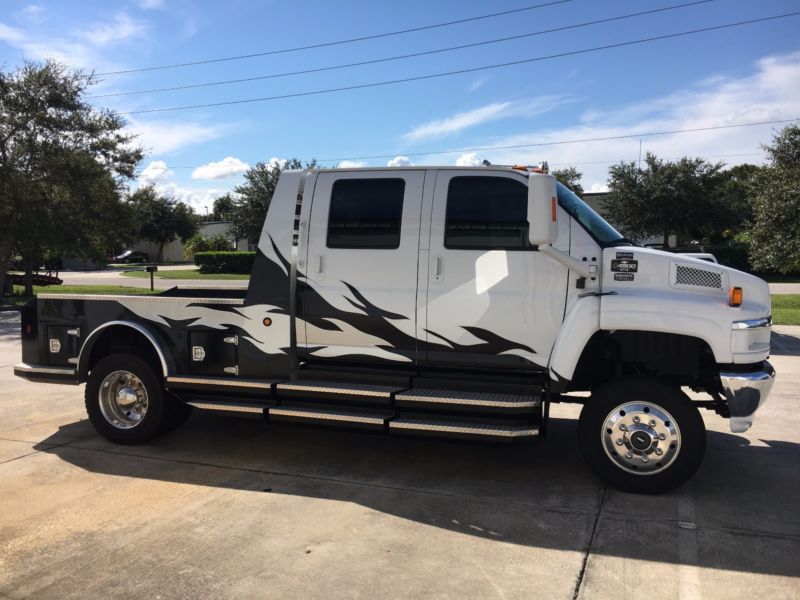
column 745, row 393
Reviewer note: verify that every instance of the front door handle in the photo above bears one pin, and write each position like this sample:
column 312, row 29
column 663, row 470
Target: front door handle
column 321, row 266
column 438, row 269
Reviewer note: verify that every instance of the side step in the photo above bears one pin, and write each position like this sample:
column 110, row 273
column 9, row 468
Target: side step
column 336, row 390
column 463, row 429
column 467, row 401
column 329, row 416
column 237, row 408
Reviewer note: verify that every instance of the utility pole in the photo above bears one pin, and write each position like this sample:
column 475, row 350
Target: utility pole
column 640, row 155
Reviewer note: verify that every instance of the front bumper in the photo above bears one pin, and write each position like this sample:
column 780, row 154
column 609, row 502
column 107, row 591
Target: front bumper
column 745, row 393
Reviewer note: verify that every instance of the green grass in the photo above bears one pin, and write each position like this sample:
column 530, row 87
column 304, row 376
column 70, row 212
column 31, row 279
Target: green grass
column 786, row 309
column 186, row 274
column 83, row 289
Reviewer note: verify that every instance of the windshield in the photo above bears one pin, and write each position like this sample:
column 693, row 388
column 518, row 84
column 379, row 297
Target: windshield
column 603, row 233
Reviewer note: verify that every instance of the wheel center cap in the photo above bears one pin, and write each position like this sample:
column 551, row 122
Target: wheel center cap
column 127, row 397
column 641, row 440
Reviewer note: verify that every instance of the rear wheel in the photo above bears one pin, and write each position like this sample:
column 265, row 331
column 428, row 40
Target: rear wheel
column 642, row 435
column 125, row 399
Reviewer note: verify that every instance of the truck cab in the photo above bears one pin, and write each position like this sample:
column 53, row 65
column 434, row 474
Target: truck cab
column 448, row 301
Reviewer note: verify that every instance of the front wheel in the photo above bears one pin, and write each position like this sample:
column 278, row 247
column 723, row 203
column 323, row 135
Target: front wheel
column 642, row 435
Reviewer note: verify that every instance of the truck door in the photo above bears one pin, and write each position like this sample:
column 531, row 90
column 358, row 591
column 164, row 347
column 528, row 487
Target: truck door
column 493, row 301
column 358, row 297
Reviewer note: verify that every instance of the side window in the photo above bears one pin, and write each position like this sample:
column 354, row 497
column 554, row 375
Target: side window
column 486, row 213
column 366, row 213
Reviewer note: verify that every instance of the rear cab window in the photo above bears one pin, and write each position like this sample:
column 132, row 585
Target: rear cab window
column 366, row 214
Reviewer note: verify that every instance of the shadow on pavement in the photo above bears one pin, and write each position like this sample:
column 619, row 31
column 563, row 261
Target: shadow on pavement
column 743, row 501
column 782, row 344
column 9, row 325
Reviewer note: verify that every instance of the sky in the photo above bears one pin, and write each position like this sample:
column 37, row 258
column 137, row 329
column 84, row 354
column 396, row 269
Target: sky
column 549, row 107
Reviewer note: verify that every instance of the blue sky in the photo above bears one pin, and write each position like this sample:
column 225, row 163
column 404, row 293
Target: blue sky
column 744, row 74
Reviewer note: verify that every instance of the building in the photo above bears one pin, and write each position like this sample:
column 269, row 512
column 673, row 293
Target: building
column 174, row 251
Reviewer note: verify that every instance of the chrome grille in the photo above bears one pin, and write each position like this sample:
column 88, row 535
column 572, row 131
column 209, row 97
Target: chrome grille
column 698, row 277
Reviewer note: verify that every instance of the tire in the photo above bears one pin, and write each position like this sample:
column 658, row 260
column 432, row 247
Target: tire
column 176, row 411
column 659, row 452
column 137, row 411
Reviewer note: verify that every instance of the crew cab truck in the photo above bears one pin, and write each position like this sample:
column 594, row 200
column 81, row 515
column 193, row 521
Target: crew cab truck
column 434, row 301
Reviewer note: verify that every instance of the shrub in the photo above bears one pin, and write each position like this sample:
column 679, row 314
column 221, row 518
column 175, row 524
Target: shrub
column 201, row 243
column 225, row 262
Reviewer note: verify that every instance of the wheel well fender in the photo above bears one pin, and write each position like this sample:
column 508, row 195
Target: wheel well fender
column 129, row 335
column 580, row 324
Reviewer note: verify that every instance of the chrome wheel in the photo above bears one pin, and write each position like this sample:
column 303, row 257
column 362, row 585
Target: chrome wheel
column 641, row 438
column 123, row 399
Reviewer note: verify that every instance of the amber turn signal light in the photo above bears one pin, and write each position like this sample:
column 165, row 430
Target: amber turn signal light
column 735, row 296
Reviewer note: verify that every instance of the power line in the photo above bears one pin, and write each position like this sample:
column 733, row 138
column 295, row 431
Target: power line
column 564, row 142
column 338, row 42
column 462, row 71
column 541, row 144
column 403, row 56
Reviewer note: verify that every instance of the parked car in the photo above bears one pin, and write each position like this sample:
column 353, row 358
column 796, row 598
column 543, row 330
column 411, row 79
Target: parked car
column 436, row 301
column 132, row 256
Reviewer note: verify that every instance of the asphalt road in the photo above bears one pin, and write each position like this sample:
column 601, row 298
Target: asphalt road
column 242, row 508
column 110, row 277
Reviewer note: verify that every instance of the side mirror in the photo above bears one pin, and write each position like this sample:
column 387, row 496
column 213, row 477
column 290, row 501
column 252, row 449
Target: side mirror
column 542, row 210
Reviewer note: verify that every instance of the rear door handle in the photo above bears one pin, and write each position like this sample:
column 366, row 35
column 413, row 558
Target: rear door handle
column 321, row 266
column 438, row 269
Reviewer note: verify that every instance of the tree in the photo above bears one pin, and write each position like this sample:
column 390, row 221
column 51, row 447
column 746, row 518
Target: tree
column 254, row 196
column 58, row 157
column 223, row 208
column 773, row 238
column 683, row 198
column 162, row 219
column 571, row 178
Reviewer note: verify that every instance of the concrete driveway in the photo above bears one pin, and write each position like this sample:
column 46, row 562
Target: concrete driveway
column 242, row 508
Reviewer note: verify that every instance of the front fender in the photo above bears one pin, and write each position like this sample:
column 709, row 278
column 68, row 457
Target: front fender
column 580, row 324
column 682, row 313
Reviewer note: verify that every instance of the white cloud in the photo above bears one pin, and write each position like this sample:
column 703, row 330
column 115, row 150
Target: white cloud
column 200, row 199
column 121, row 28
column 468, row 159
column 598, row 188
column 227, row 167
column 770, row 92
column 162, row 136
column 84, row 48
column 477, row 116
column 400, row 161
column 154, row 172
column 351, row 164
column 33, row 13
column 477, row 84
column 150, row 4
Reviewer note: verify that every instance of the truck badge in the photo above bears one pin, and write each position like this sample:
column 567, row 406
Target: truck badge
column 624, row 265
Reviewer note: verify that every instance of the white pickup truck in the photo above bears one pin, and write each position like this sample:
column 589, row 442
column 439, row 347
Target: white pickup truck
column 434, row 301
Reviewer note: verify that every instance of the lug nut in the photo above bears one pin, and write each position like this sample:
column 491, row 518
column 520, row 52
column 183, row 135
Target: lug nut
column 628, row 455
column 635, row 419
column 619, row 442
column 652, row 422
column 645, row 459
column 662, row 436
column 622, row 427
column 659, row 451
